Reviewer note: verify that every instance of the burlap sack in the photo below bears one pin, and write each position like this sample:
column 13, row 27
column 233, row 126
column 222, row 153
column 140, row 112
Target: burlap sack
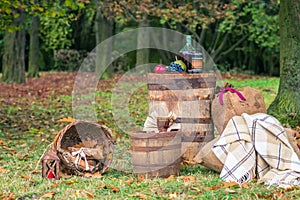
column 233, row 106
column 207, row 158
column 290, row 133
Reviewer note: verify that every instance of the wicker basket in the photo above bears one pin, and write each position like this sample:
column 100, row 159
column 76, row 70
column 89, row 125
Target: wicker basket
column 84, row 148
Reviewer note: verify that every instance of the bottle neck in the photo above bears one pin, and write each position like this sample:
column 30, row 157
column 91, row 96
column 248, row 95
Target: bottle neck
column 188, row 40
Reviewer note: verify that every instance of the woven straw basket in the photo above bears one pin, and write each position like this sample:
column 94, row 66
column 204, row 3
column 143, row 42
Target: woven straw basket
column 84, row 148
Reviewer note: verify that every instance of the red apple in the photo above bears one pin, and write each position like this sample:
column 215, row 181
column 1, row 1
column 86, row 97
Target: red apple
column 159, row 68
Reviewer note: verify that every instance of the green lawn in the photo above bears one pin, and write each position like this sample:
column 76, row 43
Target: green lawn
column 27, row 130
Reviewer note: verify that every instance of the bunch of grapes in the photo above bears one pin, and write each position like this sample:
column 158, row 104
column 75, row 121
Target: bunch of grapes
column 174, row 67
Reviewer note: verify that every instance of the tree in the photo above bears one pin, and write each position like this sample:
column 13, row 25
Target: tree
column 142, row 55
column 104, row 29
column 14, row 49
column 34, row 47
column 286, row 106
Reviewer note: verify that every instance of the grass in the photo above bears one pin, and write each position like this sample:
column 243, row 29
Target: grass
column 27, row 131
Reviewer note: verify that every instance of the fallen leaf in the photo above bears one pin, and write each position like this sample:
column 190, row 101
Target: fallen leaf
column 9, row 196
column 54, row 185
column 196, row 189
column 36, row 171
column 278, row 195
column 94, row 175
column 114, row 189
column 212, row 188
column 170, row 177
column 216, row 187
column 88, row 194
column 48, row 195
column 141, row 178
column 68, row 119
column 229, row 184
column 103, row 186
column 188, row 178
column 70, row 182
column 129, row 182
column 25, row 176
column 263, row 196
column 8, row 148
column 244, row 185
column 3, row 170
column 83, row 194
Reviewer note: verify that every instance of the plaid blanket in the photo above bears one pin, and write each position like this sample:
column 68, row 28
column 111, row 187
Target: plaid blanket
column 256, row 146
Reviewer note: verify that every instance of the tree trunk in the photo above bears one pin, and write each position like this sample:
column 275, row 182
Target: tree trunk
column 142, row 55
column 104, row 30
column 286, row 106
column 34, row 48
column 14, row 52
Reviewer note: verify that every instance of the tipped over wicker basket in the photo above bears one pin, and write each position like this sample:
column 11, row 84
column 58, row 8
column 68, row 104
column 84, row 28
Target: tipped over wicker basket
column 84, row 148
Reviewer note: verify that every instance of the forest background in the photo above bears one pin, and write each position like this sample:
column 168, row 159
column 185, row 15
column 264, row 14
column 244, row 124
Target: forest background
column 240, row 35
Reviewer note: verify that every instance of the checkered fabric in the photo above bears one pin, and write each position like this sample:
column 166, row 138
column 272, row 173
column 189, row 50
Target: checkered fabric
column 256, row 146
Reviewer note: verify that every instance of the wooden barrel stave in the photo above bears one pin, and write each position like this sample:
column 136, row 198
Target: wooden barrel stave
column 189, row 97
column 156, row 154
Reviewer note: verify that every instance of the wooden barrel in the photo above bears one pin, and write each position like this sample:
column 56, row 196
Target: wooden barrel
column 189, row 96
column 156, row 154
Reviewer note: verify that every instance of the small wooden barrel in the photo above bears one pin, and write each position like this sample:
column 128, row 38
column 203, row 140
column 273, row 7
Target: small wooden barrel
column 156, row 154
column 189, row 96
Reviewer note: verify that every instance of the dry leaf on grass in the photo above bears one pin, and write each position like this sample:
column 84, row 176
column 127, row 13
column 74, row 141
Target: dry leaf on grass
column 114, row 189
column 278, row 195
column 103, row 186
column 68, row 119
column 189, row 178
column 215, row 187
column 70, row 182
column 84, row 193
column 244, row 185
column 129, row 182
column 54, row 185
column 25, row 176
column 141, row 178
column 8, row 148
column 171, row 177
column 229, row 184
column 3, row 170
column 9, row 196
column 94, row 175
column 36, row 171
column 48, row 195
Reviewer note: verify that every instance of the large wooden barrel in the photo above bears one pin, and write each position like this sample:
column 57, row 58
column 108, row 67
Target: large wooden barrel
column 189, row 96
column 156, row 154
